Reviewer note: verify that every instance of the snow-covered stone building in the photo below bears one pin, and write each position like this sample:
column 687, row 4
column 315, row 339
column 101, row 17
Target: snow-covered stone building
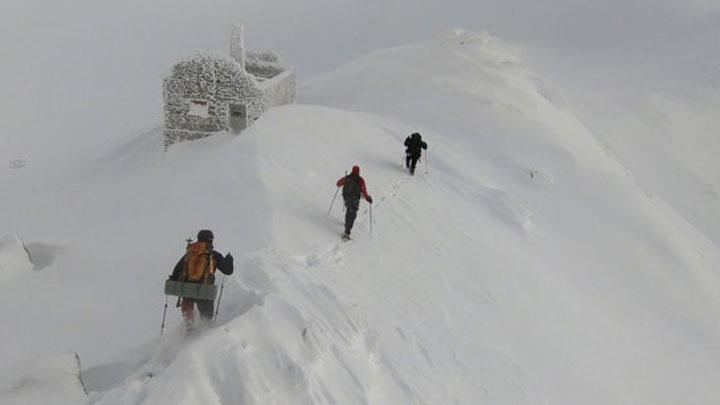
column 207, row 94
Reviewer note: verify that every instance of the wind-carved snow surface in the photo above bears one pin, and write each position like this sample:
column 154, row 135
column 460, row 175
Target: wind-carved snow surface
column 522, row 264
column 14, row 258
column 50, row 379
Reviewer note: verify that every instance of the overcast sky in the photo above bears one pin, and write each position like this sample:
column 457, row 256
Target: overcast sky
column 65, row 58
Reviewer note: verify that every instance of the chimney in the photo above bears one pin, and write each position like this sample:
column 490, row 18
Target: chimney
column 237, row 45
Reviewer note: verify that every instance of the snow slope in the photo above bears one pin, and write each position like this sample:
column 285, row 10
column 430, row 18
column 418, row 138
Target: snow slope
column 52, row 379
column 526, row 266
column 14, row 258
column 671, row 149
column 531, row 264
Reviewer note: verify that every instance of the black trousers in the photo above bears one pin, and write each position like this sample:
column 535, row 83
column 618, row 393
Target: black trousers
column 411, row 162
column 351, row 209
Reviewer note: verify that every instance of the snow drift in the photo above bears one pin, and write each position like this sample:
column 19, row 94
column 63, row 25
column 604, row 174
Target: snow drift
column 523, row 264
column 14, row 258
column 54, row 378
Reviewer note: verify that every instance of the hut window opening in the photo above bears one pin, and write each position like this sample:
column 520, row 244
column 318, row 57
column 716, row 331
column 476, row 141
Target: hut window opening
column 199, row 108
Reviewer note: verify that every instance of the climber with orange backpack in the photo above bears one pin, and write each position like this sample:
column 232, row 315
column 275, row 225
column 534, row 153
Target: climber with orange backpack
column 193, row 279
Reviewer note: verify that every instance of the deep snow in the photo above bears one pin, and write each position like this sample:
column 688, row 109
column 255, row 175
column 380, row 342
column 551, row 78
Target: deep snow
column 538, row 261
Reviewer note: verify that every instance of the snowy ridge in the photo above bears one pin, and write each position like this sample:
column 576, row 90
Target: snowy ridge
column 525, row 266
column 487, row 81
column 469, row 273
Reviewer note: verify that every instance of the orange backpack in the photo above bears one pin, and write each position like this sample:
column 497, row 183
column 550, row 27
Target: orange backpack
column 199, row 262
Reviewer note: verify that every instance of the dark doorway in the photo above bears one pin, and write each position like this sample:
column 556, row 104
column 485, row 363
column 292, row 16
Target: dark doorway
column 238, row 117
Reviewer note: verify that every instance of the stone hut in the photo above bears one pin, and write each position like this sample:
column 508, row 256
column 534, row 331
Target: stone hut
column 208, row 94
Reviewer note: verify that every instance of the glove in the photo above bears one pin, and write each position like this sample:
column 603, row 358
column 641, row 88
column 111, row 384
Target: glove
column 369, row 199
column 229, row 264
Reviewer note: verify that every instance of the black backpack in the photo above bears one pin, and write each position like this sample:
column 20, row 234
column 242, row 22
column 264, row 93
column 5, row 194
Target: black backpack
column 415, row 145
column 351, row 188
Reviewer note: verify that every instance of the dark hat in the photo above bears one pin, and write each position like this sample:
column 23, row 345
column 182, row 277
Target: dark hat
column 205, row 235
column 356, row 170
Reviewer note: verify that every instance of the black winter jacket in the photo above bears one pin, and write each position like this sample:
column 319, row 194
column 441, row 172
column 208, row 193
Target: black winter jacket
column 414, row 146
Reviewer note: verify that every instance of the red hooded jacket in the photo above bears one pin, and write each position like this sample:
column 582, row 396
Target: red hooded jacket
column 361, row 182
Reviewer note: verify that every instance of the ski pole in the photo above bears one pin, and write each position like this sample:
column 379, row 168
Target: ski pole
column 162, row 327
column 333, row 200
column 217, row 308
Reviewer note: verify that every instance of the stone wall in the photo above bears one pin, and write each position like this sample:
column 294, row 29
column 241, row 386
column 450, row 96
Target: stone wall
column 264, row 65
column 172, row 136
column 199, row 91
column 218, row 80
column 237, row 45
column 280, row 90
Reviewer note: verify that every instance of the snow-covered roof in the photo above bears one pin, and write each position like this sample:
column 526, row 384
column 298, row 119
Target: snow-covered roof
column 214, row 59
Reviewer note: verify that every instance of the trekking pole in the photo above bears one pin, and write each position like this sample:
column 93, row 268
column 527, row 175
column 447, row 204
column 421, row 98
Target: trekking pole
column 217, row 308
column 426, row 159
column 334, row 197
column 162, row 327
column 183, row 274
column 370, row 219
column 333, row 200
